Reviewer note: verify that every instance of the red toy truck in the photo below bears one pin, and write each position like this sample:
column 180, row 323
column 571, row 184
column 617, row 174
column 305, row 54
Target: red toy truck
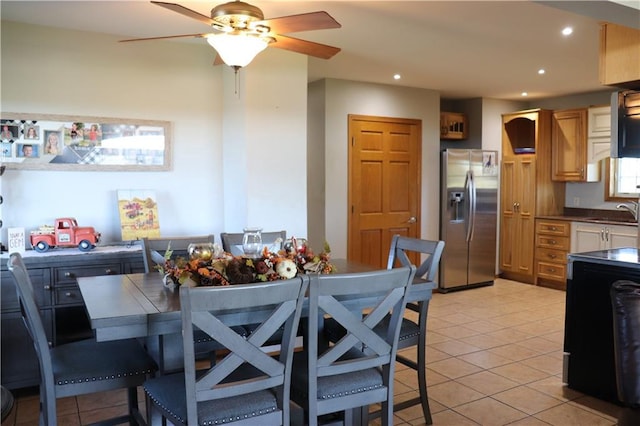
column 65, row 233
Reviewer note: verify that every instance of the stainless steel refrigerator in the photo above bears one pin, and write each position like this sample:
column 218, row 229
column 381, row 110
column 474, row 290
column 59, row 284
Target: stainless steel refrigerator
column 468, row 218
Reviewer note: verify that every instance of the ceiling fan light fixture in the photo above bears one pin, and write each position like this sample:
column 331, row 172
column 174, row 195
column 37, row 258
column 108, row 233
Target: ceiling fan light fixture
column 236, row 14
column 237, row 50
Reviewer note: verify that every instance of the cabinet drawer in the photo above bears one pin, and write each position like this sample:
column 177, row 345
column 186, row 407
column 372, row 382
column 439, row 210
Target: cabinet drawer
column 69, row 274
column 553, row 228
column 551, row 271
column 41, row 289
column 551, row 255
column 553, row 242
column 68, row 296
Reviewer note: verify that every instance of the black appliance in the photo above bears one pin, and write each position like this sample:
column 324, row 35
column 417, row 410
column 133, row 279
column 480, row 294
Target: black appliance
column 625, row 124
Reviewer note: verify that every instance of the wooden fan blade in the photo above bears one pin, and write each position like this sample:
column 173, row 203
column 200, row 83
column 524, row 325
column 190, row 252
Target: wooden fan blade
column 310, row 48
column 303, row 22
column 186, row 12
column 166, row 37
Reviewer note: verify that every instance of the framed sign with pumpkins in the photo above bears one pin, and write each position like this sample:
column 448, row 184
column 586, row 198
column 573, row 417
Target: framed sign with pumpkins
column 60, row 142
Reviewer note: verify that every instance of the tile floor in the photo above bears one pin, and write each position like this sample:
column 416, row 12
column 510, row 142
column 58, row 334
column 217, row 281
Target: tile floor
column 494, row 357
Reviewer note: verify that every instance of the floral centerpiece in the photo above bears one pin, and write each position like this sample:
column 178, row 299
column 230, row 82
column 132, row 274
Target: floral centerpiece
column 221, row 268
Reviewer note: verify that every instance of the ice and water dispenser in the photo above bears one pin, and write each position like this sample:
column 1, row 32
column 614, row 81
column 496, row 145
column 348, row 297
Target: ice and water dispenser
column 456, row 201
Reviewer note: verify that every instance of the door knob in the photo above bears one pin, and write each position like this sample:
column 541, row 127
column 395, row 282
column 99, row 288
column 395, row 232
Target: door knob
column 412, row 219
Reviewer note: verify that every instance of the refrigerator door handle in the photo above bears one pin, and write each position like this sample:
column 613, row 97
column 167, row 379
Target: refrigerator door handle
column 470, row 189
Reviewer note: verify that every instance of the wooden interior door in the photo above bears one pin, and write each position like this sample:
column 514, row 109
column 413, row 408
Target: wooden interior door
column 384, row 185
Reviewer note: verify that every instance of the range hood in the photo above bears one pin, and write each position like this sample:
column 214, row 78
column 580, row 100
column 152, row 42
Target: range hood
column 625, row 124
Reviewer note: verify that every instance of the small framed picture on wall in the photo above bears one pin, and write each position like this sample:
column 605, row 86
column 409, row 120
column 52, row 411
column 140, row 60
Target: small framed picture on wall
column 31, row 132
column 9, row 131
column 27, row 150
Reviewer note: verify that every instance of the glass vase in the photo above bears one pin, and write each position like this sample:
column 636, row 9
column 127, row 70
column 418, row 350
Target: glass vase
column 252, row 242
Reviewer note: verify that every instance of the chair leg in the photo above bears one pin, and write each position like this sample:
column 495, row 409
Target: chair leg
column 132, row 396
column 422, row 380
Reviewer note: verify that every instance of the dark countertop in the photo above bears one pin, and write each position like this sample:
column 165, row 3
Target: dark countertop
column 598, row 216
column 607, row 221
column 628, row 257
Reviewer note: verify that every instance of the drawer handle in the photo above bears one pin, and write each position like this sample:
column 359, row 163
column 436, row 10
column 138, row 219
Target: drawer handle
column 551, row 270
column 108, row 271
column 552, row 242
column 552, row 256
column 47, row 287
column 553, row 228
column 68, row 274
column 67, row 294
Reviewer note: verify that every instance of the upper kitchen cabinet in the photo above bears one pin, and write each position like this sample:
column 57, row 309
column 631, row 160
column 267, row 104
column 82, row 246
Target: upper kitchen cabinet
column 526, row 189
column 569, row 147
column 599, row 133
column 619, row 56
column 453, row 126
column 520, row 132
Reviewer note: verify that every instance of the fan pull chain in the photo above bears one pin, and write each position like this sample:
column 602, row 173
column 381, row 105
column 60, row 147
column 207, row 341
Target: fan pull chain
column 237, row 80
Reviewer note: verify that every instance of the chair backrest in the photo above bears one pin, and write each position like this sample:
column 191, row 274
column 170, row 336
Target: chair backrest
column 232, row 242
column 429, row 267
column 153, row 249
column 273, row 305
column 625, row 301
column 33, row 321
column 375, row 294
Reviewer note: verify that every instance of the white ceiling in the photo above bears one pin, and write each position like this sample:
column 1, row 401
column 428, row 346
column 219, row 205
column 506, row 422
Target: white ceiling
column 463, row 49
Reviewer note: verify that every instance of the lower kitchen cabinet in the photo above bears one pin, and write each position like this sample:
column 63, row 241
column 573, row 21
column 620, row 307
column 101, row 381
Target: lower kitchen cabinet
column 590, row 237
column 53, row 275
column 552, row 247
column 588, row 360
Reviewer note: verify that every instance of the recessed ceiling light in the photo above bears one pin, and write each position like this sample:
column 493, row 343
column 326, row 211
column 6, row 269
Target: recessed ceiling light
column 397, row 76
column 567, row 31
column 524, row 94
column 541, row 71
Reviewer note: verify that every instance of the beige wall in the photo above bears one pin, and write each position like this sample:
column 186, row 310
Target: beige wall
column 46, row 70
column 338, row 99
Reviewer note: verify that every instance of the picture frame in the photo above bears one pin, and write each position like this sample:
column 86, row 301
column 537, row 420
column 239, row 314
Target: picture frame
column 77, row 143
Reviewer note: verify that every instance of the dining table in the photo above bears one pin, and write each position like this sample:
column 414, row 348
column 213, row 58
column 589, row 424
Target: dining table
column 139, row 305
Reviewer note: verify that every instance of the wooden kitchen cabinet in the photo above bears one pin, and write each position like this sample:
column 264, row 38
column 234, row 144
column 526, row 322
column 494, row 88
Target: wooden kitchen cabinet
column 516, row 230
column 619, row 55
column 552, row 246
column 53, row 275
column 594, row 236
column 599, row 133
column 453, row 125
column 569, row 145
column 526, row 189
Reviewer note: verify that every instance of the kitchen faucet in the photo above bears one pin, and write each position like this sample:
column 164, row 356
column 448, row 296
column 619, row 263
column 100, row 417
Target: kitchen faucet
column 633, row 209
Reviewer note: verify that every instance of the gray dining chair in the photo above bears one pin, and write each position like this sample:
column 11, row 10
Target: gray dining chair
column 153, row 249
column 358, row 370
column 80, row 367
column 232, row 242
column 412, row 332
column 248, row 385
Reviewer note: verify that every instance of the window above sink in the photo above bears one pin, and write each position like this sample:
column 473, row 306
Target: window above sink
column 622, row 179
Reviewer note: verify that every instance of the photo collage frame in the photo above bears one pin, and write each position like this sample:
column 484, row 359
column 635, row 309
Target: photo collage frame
column 75, row 143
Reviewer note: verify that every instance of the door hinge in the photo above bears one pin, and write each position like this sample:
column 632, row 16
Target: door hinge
column 353, row 140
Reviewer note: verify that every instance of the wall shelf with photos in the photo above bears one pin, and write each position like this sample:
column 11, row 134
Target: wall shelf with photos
column 76, row 143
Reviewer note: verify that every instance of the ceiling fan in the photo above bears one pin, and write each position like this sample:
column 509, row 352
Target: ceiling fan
column 241, row 32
